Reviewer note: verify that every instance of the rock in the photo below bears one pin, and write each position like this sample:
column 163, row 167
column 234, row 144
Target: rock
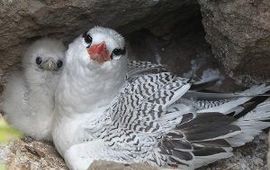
column 184, row 51
column 28, row 154
column 23, row 21
column 248, row 157
column 166, row 31
column 176, row 50
column 32, row 155
column 239, row 33
column 106, row 165
column 268, row 154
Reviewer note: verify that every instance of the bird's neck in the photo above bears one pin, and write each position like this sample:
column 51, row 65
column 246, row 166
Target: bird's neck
column 84, row 89
column 42, row 82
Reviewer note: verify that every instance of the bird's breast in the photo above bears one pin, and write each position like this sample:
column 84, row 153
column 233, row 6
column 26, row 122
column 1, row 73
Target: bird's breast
column 76, row 128
column 63, row 133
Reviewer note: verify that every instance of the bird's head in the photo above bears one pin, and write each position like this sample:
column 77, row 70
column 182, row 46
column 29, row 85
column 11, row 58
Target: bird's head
column 104, row 44
column 98, row 48
column 96, row 65
column 43, row 61
column 45, row 55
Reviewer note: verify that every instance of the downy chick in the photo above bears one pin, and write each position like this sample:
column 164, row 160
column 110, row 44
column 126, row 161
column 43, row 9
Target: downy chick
column 28, row 99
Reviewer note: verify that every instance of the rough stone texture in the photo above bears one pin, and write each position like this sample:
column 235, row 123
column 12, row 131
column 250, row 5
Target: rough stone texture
column 252, row 156
column 27, row 154
column 168, row 31
column 106, row 165
column 176, row 49
column 239, row 33
column 32, row 155
column 268, row 154
column 23, row 21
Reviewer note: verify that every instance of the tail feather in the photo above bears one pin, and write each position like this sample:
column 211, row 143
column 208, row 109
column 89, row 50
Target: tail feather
column 211, row 135
column 243, row 138
column 242, row 102
column 214, row 143
column 247, row 107
column 260, row 112
column 209, row 126
column 199, row 142
column 251, row 114
column 205, row 160
column 252, row 124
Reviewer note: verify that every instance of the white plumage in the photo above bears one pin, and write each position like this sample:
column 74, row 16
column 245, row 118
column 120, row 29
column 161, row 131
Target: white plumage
column 142, row 113
column 28, row 98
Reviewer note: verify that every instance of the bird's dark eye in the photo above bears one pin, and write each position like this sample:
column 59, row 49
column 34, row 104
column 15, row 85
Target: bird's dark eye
column 59, row 63
column 38, row 60
column 87, row 38
column 118, row 51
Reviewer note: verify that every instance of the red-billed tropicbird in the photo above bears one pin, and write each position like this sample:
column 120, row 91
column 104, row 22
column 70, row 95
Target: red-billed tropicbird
column 28, row 98
column 149, row 116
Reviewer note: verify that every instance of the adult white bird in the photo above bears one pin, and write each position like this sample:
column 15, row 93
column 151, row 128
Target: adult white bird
column 28, row 98
column 149, row 117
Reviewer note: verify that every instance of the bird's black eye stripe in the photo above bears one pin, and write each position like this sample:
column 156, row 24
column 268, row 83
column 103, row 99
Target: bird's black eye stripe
column 59, row 63
column 118, row 51
column 87, row 38
column 38, row 60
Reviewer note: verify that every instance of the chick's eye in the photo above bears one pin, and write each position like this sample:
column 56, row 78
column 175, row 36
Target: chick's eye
column 59, row 63
column 38, row 60
column 118, row 51
column 87, row 38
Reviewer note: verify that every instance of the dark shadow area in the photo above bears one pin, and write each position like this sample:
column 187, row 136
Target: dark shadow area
column 183, row 50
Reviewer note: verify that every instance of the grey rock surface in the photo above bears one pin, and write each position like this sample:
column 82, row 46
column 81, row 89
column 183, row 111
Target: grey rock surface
column 23, row 21
column 28, row 154
column 268, row 154
column 31, row 155
column 239, row 34
column 252, row 156
column 166, row 31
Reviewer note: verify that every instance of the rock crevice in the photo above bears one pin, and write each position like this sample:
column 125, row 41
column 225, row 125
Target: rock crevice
column 235, row 35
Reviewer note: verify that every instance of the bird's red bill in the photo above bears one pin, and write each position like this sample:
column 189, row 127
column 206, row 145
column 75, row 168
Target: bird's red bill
column 99, row 52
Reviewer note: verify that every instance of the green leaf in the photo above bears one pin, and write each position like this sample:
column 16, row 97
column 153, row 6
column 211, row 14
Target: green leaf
column 2, row 167
column 7, row 132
